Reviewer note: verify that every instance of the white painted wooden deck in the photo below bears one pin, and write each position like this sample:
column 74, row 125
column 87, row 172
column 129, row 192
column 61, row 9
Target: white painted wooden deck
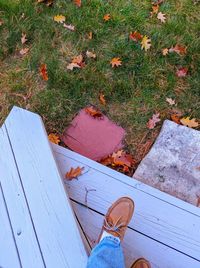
column 165, row 230
column 37, row 224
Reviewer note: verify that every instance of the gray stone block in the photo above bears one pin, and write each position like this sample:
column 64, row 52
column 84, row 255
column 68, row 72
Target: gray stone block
column 173, row 163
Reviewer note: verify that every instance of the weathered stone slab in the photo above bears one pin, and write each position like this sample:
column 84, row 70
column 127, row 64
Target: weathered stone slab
column 173, row 163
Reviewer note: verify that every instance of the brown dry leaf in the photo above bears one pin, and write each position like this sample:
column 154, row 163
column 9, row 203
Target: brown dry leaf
column 94, row 112
column 102, row 99
column 146, row 43
column 182, row 72
column 24, row 51
column 1, row 22
column 165, row 51
column 115, row 62
column 90, row 35
column 107, row 161
column 59, row 18
column 54, row 138
column 90, row 54
column 171, row 101
column 153, row 121
column 43, row 72
column 155, row 9
column 121, row 158
column 74, row 173
column 106, row 17
column 161, row 17
column 23, row 38
column 69, row 27
column 72, row 65
column 192, row 123
column 179, row 49
column 136, row 36
column 78, row 59
column 78, row 3
column 175, row 118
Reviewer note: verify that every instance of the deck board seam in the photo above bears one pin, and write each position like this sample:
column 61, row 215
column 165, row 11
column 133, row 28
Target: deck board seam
column 29, row 211
column 139, row 232
column 132, row 186
column 20, row 263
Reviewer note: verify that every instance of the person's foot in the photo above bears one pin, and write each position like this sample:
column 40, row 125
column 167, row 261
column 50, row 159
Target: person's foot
column 141, row 263
column 118, row 217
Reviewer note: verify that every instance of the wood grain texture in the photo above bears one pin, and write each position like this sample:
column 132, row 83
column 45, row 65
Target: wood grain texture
column 52, row 216
column 8, row 249
column 158, row 216
column 135, row 245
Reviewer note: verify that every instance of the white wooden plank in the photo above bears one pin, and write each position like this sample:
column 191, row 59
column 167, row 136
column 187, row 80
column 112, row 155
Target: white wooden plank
column 8, row 250
column 135, row 245
column 157, row 215
column 50, row 208
column 23, row 231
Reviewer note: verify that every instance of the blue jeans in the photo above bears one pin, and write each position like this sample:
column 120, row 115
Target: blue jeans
column 107, row 254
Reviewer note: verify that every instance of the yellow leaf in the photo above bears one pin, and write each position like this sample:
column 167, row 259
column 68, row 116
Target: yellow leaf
column 161, row 17
column 54, row 138
column 115, row 62
column 59, row 18
column 186, row 121
column 146, row 43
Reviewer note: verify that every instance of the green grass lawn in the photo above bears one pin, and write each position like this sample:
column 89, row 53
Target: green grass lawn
column 133, row 91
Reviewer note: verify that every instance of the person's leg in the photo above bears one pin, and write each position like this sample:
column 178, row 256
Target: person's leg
column 108, row 253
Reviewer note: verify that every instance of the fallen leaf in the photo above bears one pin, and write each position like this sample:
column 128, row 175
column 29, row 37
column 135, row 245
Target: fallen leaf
column 54, row 138
column 152, row 121
column 72, row 65
column 136, row 36
column 106, row 17
column 175, row 118
column 161, row 17
column 1, row 22
column 186, row 121
column 146, row 43
column 115, row 62
column 165, row 51
column 182, row 72
column 170, row 101
column 23, row 38
column 181, row 50
column 59, row 18
column 90, row 54
column 94, row 112
column 102, row 99
column 24, row 51
column 123, row 159
column 77, row 3
column 78, row 59
column 69, row 27
column 155, row 9
column 107, row 161
column 43, row 72
column 90, row 35
column 74, row 173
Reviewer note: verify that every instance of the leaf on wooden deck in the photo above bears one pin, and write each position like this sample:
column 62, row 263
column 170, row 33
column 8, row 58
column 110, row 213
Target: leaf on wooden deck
column 74, row 173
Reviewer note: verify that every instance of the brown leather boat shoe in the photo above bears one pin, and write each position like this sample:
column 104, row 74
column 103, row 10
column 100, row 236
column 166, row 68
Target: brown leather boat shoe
column 141, row 263
column 118, row 217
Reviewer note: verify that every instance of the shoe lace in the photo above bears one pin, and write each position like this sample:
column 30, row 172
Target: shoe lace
column 114, row 227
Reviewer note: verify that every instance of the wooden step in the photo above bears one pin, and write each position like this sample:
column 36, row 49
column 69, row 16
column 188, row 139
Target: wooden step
column 39, row 223
column 164, row 229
